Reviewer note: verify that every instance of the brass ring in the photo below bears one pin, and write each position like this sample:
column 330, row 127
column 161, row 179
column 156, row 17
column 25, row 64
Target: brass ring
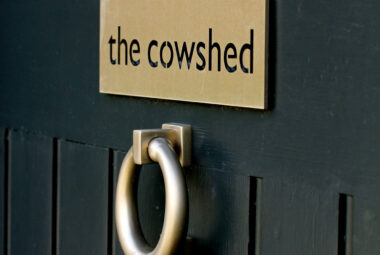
column 176, row 206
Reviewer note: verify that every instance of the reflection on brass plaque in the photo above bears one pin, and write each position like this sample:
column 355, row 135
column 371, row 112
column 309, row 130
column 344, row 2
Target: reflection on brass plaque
column 209, row 51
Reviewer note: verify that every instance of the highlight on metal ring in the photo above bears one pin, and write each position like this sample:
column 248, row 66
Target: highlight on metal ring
column 176, row 205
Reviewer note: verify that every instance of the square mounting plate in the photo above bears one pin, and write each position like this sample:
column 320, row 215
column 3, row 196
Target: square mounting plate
column 178, row 135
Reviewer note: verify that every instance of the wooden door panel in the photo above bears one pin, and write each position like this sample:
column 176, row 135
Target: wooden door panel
column 83, row 173
column 298, row 218
column 219, row 212
column 366, row 225
column 30, row 194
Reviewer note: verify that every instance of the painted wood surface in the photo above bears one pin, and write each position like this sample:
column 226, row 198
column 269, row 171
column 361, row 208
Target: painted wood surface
column 298, row 219
column 82, row 199
column 219, row 212
column 30, row 194
column 366, row 225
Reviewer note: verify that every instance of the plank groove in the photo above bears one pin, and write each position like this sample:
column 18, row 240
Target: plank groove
column 255, row 208
column 3, row 189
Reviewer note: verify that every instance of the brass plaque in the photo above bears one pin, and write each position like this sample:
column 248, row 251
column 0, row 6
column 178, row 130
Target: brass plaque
column 209, row 51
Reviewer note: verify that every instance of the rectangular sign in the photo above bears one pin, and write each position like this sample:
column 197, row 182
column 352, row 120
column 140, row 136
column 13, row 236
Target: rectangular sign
column 208, row 51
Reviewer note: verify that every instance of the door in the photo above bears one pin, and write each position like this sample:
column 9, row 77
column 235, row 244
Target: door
column 302, row 177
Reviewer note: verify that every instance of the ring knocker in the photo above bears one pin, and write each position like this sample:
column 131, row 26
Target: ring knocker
column 161, row 146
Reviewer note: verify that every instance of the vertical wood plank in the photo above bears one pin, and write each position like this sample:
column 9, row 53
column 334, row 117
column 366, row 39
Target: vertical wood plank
column 30, row 197
column 219, row 212
column 3, row 187
column 82, row 199
column 298, row 219
column 366, row 224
